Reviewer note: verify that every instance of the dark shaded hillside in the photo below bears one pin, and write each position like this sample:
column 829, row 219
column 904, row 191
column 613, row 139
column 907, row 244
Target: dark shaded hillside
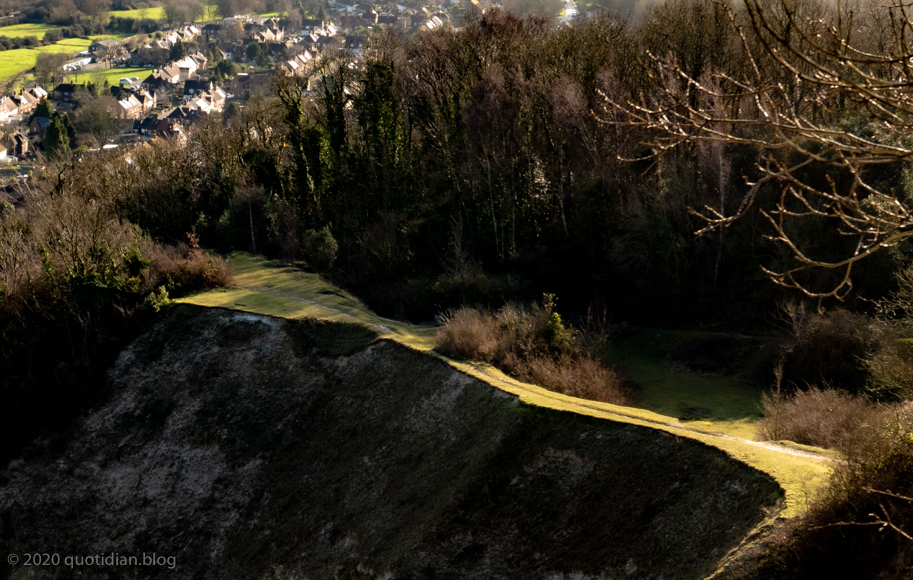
column 251, row 447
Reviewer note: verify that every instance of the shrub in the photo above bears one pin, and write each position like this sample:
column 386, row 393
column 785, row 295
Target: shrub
column 468, row 334
column 831, row 348
column 533, row 345
column 158, row 299
column 821, row 417
column 584, row 377
column 184, row 268
column 319, row 248
column 890, row 370
column 855, row 527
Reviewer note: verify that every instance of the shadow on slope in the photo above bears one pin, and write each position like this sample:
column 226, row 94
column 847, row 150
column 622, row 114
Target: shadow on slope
column 251, row 447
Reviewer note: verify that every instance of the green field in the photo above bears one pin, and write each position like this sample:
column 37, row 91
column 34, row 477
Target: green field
column 114, row 36
column 20, row 30
column 67, row 45
column 13, row 62
column 157, row 13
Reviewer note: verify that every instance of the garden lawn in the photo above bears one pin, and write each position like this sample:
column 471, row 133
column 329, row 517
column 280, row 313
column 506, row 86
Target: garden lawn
column 112, row 75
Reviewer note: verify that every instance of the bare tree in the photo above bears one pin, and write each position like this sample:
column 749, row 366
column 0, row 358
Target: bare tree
column 49, row 67
column 99, row 116
column 94, row 9
column 175, row 12
column 825, row 91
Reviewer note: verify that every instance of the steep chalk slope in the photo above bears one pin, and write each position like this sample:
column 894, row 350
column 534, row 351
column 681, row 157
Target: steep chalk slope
column 245, row 446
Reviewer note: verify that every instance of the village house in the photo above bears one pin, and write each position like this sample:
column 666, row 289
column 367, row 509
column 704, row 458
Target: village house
column 208, row 101
column 350, row 24
column 135, row 105
column 300, row 64
column 153, row 126
column 147, row 100
column 309, row 25
column 346, row 6
column 20, row 145
column 187, row 115
column 197, row 86
column 39, row 127
column 8, row 108
column 66, row 92
column 129, row 108
column 188, row 33
column 211, row 31
column 178, row 71
column 245, row 84
column 28, row 100
column 355, row 44
column 228, row 50
column 155, row 83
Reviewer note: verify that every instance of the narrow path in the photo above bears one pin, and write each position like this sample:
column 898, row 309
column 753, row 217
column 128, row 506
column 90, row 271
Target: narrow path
column 297, row 298
column 262, row 288
column 582, row 403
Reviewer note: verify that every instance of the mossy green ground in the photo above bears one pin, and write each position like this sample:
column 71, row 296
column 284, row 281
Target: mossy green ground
column 264, row 287
column 726, row 402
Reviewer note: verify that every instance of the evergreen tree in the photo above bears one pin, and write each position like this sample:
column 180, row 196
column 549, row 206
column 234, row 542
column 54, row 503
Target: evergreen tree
column 178, row 51
column 215, row 55
column 57, row 141
column 42, row 110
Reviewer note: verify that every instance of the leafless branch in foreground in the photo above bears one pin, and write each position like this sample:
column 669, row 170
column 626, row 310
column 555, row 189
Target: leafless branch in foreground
column 818, row 86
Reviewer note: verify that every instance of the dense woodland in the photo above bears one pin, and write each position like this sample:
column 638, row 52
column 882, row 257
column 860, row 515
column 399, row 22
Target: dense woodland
column 495, row 163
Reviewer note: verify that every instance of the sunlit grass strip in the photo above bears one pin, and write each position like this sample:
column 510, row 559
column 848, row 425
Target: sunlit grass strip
column 156, row 13
column 21, row 30
column 261, row 287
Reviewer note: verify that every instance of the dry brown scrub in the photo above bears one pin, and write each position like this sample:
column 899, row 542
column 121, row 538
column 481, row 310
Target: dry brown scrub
column 822, row 417
column 531, row 344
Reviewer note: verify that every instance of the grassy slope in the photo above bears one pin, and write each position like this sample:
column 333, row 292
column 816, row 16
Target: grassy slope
column 265, row 445
column 13, row 62
column 20, row 30
column 263, row 288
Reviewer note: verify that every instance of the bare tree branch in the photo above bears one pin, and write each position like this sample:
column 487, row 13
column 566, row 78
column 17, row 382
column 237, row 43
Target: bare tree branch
column 815, row 91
